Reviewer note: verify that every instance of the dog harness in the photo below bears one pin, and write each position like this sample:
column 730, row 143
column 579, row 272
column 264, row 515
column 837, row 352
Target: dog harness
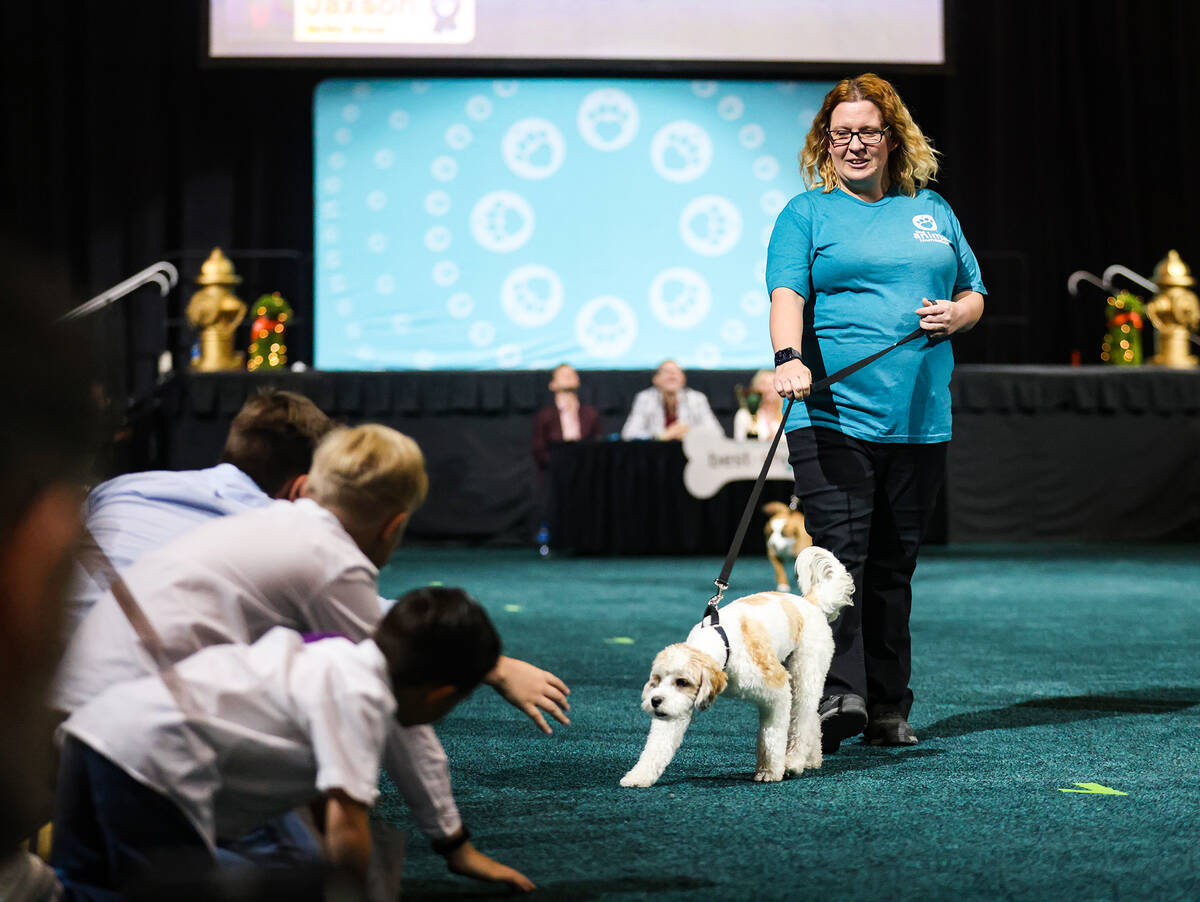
column 711, row 614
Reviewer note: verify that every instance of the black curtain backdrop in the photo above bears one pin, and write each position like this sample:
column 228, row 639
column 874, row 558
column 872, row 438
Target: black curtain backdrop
column 1069, row 131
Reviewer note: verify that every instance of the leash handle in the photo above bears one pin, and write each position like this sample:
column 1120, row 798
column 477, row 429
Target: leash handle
column 722, row 581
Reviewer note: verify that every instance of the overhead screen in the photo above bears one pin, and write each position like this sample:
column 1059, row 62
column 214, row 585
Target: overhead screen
column 896, row 32
column 512, row 224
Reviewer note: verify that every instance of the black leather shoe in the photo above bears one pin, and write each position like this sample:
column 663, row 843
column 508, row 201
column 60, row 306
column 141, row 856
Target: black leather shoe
column 889, row 729
column 842, row 716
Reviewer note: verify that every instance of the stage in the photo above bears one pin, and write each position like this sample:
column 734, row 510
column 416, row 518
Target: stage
column 1039, row 453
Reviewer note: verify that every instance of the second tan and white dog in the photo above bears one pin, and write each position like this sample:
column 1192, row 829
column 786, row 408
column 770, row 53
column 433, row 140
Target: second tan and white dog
column 778, row 652
column 786, row 537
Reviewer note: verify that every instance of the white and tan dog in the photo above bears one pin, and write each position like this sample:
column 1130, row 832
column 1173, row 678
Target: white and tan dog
column 779, row 649
column 786, row 537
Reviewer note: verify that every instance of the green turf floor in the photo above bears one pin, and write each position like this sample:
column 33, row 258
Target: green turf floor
column 1035, row 669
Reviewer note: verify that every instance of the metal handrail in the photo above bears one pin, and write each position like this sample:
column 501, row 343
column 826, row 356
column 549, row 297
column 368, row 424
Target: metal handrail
column 1105, row 283
column 1118, row 270
column 1082, row 275
column 162, row 273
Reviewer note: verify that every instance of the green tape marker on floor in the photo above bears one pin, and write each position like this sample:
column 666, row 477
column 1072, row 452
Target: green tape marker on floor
column 512, row 608
column 619, row 640
column 1096, row 789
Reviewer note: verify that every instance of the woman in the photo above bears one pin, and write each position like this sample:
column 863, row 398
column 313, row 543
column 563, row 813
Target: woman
column 764, row 422
column 852, row 268
column 565, row 420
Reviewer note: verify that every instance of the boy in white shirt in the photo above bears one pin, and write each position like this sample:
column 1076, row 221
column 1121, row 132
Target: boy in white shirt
column 266, row 728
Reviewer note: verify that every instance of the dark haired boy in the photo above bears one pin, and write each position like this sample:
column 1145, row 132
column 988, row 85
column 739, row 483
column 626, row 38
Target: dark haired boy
column 150, row 772
column 267, row 453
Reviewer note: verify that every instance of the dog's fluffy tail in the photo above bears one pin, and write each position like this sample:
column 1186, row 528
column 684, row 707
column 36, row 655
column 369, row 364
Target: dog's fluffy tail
column 821, row 577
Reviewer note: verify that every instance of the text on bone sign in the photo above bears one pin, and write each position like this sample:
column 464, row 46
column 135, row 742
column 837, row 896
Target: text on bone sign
column 714, row 461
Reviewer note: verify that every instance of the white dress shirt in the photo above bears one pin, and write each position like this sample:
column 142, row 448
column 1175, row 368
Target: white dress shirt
column 274, row 724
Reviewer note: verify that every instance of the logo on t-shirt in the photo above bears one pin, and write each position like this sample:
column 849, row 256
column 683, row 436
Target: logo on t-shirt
column 927, row 229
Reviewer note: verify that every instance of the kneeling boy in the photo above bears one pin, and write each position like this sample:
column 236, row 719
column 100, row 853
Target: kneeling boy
column 268, row 726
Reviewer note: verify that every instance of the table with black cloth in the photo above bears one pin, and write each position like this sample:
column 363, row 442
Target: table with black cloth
column 1091, row 453
column 628, row 498
column 475, row 429
column 1039, row 453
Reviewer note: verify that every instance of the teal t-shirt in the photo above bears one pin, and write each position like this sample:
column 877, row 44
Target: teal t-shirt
column 862, row 270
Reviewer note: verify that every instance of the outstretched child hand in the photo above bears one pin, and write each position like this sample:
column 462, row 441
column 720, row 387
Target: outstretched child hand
column 529, row 688
column 470, row 862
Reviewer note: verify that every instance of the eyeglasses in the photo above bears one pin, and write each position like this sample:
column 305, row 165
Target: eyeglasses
column 840, row 137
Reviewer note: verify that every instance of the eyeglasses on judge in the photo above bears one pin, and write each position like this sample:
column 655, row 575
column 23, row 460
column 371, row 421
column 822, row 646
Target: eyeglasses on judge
column 840, row 137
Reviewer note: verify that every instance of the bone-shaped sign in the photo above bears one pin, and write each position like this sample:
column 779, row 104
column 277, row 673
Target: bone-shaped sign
column 714, row 460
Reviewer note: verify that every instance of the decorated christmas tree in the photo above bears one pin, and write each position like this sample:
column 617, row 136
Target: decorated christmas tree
column 1123, row 342
column 267, row 348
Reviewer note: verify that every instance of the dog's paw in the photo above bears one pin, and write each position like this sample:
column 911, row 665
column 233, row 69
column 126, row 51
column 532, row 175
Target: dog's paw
column 636, row 778
column 783, row 587
column 799, row 760
column 767, row 776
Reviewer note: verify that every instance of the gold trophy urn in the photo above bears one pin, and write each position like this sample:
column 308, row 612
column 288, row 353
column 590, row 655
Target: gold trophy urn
column 1175, row 313
column 215, row 312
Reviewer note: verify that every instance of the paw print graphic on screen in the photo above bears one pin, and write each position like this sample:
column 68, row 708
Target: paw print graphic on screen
column 607, row 119
column 533, row 148
column 460, row 305
column 606, row 327
column 680, row 297
column 681, row 151
column 481, row 334
column 531, row 295
column 502, row 221
column 710, row 225
column 479, row 107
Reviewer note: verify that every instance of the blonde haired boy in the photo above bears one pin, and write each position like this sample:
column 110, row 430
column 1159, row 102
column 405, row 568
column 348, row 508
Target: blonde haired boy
column 372, row 478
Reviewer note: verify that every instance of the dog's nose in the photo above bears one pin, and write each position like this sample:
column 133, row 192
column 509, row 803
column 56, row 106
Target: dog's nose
column 656, row 701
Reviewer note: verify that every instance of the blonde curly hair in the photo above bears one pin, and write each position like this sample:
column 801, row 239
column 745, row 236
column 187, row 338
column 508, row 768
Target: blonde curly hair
column 912, row 161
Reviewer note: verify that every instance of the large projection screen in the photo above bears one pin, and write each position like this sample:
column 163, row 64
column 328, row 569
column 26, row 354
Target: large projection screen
column 876, row 32
column 474, row 224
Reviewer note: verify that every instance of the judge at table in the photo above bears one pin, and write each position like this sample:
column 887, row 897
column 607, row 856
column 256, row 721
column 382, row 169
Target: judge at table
column 668, row 410
column 566, row 420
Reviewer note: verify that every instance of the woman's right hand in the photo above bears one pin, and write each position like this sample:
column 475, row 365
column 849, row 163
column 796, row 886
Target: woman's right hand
column 793, row 380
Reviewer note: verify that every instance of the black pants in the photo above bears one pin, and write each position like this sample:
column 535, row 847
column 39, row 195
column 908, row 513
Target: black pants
column 869, row 503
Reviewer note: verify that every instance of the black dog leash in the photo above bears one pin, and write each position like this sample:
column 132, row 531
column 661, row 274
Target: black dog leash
column 722, row 581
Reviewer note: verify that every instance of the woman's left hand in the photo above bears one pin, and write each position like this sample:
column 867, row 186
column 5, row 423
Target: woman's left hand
column 941, row 317
column 944, row 318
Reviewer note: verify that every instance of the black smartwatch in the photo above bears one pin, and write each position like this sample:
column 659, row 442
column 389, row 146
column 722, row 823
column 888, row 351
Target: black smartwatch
column 785, row 355
column 448, row 844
